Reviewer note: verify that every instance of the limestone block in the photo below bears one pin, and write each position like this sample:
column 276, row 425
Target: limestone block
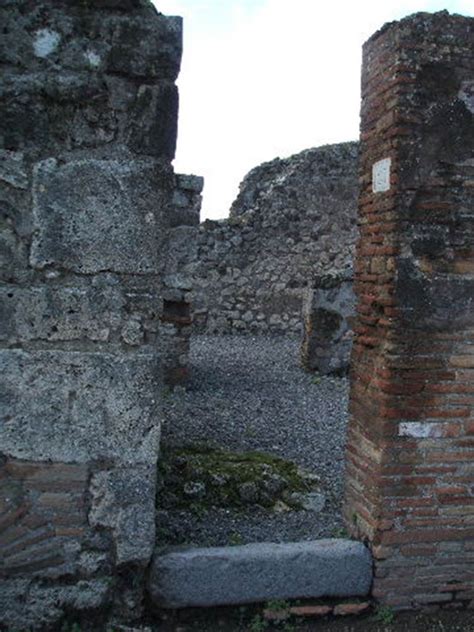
column 77, row 407
column 90, row 215
column 253, row 573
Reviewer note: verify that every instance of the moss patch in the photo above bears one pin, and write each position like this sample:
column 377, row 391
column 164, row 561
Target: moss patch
column 198, row 477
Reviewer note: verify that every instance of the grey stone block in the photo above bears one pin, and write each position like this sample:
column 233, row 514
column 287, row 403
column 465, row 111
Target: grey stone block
column 51, row 110
column 154, row 121
column 77, row 406
column 60, row 313
column 258, row 572
column 124, row 500
column 181, row 248
column 190, row 182
column 144, row 48
column 90, row 215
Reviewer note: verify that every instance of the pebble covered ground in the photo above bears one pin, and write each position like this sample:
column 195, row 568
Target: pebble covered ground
column 250, row 393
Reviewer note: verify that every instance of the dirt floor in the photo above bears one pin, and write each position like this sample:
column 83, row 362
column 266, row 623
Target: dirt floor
column 250, row 619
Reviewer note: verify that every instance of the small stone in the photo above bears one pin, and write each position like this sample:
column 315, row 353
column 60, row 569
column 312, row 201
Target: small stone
column 281, row 507
column 314, row 501
column 194, row 489
column 46, row 42
column 309, row 476
column 132, row 333
column 219, row 480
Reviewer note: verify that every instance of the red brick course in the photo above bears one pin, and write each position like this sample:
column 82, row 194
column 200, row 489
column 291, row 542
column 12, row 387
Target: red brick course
column 43, row 516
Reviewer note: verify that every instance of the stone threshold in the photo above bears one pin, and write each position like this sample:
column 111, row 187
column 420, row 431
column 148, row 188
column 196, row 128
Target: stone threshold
column 183, row 577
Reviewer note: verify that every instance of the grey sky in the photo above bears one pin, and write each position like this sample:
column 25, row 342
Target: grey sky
column 267, row 78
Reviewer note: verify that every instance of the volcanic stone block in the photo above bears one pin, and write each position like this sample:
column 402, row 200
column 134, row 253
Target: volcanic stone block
column 145, row 48
column 60, row 313
column 258, row 572
column 74, row 407
column 13, row 257
column 154, row 121
column 90, row 215
column 13, row 169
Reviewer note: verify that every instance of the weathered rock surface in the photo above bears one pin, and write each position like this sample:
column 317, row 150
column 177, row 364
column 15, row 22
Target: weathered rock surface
column 294, row 219
column 92, row 226
column 82, row 220
column 328, row 312
column 259, row 572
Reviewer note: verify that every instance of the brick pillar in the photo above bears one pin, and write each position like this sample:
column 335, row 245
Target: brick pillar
column 410, row 454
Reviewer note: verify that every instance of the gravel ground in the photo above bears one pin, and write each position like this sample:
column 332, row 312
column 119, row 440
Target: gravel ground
column 250, row 393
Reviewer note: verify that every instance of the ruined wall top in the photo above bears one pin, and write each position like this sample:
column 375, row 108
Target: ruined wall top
column 294, row 219
column 297, row 182
column 94, row 75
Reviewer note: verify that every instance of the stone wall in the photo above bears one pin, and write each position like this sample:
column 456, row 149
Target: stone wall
column 91, row 212
column 180, row 258
column 410, row 474
column 294, row 218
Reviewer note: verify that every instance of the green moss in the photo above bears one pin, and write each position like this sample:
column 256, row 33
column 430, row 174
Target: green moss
column 197, row 477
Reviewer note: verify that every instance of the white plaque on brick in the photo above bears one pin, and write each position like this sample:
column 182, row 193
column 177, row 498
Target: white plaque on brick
column 381, row 175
